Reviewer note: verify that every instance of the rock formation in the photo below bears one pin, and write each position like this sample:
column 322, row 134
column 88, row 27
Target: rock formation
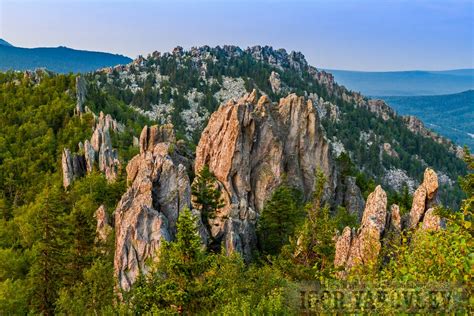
column 104, row 225
column 96, row 152
column 363, row 247
column 415, row 125
column 275, row 82
column 73, row 165
column 147, row 213
column 424, row 199
column 348, row 195
column 250, row 146
column 81, row 91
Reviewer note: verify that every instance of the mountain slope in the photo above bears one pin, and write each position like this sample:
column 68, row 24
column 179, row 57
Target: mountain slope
column 58, row 59
column 408, row 83
column 450, row 115
column 185, row 87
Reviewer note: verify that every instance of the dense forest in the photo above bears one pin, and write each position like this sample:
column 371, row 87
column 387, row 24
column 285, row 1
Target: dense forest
column 51, row 260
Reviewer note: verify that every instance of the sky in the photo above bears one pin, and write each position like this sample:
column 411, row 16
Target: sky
column 368, row 35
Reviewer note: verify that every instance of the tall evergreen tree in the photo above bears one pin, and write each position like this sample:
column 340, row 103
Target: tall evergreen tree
column 207, row 197
column 282, row 213
column 49, row 251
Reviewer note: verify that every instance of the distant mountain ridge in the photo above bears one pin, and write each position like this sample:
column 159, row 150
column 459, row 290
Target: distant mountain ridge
column 59, row 59
column 451, row 115
column 406, row 83
column 4, row 43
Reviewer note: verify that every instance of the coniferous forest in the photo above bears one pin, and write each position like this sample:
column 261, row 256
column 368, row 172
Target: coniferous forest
column 52, row 260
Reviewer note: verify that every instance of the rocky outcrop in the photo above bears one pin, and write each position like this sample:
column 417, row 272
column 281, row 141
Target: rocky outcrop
column 353, row 199
column 97, row 152
column 387, row 148
column 104, row 225
column 379, row 227
column 424, row 199
column 275, row 82
column 363, row 247
column 416, row 126
column 147, row 213
column 81, row 90
column 73, row 166
column 380, row 108
column 150, row 136
column 250, row 146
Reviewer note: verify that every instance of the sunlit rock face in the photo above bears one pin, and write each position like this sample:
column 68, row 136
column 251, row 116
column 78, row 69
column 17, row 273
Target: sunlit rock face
column 147, row 213
column 251, row 145
column 377, row 226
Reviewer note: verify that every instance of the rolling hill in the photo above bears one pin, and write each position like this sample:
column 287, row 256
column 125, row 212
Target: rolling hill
column 451, row 115
column 406, row 83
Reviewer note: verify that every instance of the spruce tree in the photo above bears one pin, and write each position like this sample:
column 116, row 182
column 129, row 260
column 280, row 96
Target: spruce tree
column 178, row 282
column 207, row 197
column 48, row 267
column 282, row 213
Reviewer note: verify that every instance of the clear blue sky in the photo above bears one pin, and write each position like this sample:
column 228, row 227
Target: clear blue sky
column 335, row 34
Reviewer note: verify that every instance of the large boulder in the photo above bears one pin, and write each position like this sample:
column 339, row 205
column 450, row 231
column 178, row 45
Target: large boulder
column 250, row 146
column 147, row 213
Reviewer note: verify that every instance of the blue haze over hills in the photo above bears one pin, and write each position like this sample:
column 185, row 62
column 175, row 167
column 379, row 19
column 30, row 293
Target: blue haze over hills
column 59, row 59
column 406, row 83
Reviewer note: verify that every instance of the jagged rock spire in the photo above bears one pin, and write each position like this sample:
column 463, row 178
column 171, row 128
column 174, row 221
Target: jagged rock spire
column 363, row 247
column 250, row 145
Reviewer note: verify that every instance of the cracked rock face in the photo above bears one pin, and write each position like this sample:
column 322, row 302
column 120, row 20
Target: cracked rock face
column 81, row 90
column 147, row 213
column 98, row 151
column 104, row 226
column 250, row 145
column 363, row 247
column 424, row 199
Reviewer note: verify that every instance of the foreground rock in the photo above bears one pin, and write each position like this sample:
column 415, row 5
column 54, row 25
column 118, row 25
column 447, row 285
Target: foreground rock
column 147, row 213
column 424, row 200
column 378, row 227
column 363, row 247
column 250, row 146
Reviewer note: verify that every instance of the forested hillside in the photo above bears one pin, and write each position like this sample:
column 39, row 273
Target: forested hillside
column 451, row 115
column 185, row 87
column 190, row 199
column 46, row 234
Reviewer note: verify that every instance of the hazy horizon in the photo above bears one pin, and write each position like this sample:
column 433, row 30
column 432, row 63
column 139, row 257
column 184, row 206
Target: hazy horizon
column 366, row 35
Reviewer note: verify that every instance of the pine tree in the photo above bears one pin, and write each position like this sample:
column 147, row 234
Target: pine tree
column 207, row 197
column 282, row 213
column 49, row 251
column 314, row 247
column 178, row 281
